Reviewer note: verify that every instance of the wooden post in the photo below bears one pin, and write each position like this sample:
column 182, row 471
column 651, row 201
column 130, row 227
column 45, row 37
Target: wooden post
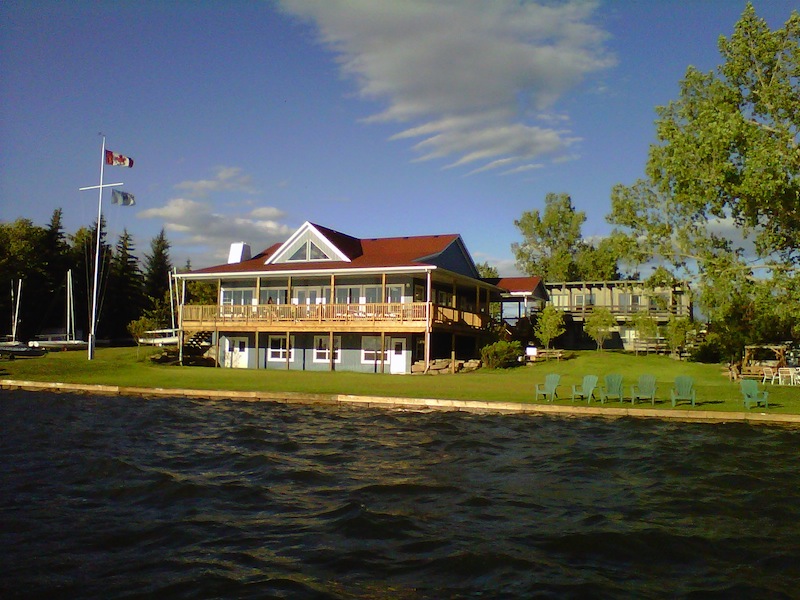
column 330, row 349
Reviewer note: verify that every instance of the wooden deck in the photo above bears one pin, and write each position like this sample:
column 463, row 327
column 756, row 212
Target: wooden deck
column 408, row 317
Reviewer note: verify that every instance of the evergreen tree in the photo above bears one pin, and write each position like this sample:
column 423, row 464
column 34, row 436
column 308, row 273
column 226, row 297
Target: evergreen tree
column 124, row 299
column 157, row 269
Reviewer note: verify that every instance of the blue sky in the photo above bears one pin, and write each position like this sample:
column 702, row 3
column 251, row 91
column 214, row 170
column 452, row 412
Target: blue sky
column 373, row 117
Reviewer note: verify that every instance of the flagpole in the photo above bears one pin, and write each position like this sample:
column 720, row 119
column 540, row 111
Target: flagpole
column 100, row 188
column 93, row 324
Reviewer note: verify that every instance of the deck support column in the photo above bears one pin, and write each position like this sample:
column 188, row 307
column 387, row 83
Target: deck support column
column 383, row 351
column 428, row 324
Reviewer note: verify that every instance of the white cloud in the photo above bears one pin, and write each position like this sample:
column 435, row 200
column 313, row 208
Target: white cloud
column 209, row 234
column 227, row 179
column 468, row 76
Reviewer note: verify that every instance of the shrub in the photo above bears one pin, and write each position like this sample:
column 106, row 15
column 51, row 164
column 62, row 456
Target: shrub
column 501, row 354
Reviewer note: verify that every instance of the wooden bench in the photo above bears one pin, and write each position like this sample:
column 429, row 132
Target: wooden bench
column 546, row 355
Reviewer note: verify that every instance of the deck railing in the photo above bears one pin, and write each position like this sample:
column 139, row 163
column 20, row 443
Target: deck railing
column 629, row 311
column 194, row 315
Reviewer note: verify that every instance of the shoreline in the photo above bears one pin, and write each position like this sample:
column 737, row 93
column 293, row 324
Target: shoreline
column 394, row 403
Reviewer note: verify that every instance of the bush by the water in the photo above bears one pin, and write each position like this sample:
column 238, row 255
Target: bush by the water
column 501, row 355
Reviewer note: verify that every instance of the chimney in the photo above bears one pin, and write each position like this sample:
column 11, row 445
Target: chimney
column 239, row 251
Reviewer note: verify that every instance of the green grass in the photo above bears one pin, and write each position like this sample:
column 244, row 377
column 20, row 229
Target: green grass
column 132, row 367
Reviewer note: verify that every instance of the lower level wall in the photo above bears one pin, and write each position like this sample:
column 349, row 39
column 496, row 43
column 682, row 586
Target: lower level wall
column 239, row 351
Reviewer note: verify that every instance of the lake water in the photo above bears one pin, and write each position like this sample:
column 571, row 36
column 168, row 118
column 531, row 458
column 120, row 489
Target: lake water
column 171, row 498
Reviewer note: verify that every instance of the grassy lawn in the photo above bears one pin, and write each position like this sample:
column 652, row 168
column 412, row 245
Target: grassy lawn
column 132, row 367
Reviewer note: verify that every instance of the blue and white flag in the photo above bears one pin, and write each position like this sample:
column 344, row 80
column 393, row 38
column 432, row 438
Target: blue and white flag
column 122, row 198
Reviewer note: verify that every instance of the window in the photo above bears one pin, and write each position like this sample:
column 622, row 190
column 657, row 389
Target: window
column 372, row 294
column 276, row 352
column 347, row 295
column 237, row 297
column 308, row 251
column 371, row 350
column 419, row 293
column 322, row 351
column 584, row 299
column 394, row 293
column 273, row 296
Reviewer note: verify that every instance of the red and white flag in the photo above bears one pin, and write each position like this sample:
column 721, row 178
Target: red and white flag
column 118, row 160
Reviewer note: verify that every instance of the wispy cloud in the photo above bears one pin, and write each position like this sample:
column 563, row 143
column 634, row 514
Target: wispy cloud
column 227, row 179
column 210, row 233
column 477, row 80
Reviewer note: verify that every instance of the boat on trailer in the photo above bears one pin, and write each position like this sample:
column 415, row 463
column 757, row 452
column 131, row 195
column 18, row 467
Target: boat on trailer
column 159, row 337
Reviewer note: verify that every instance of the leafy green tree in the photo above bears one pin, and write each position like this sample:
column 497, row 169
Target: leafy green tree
column 678, row 330
column 20, row 246
column 553, row 248
column 645, row 326
column 157, row 268
column 550, row 325
column 725, row 175
column 486, row 270
column 599, row 325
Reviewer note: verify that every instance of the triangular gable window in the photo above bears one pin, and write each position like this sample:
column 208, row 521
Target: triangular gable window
column 308, row 251
column 315, row 253
column 300, row 254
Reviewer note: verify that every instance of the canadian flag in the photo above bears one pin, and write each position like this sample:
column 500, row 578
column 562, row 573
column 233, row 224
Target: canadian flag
column 118, row 160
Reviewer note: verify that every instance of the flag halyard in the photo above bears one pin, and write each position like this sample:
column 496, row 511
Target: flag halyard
column 118, row 160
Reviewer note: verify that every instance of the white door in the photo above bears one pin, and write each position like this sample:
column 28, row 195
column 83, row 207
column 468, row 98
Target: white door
column 397, row 356
column 237, row 353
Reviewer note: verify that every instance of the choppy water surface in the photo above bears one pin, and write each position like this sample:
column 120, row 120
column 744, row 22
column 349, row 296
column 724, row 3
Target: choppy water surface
column 128, row 497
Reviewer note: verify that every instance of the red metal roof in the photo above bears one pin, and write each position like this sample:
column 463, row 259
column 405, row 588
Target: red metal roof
column 363, row 254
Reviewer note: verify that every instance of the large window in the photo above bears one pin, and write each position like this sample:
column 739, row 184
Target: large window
column 394, row 293
column 276, row 351
column 322, row 349
column 237, row 297
column 273, row 296
column 347, row 294
column 371, row 350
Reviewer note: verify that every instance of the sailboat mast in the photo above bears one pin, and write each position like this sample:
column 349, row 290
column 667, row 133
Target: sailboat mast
column 16, row 309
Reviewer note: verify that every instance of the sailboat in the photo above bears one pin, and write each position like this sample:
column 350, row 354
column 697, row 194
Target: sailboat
column 66, row 340
column 13, row 348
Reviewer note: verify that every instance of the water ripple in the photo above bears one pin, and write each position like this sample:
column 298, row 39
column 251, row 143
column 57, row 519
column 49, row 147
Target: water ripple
column 171, row 498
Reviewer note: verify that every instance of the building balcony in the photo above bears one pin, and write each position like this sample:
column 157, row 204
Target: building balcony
column 628, row 312
column 397, row 317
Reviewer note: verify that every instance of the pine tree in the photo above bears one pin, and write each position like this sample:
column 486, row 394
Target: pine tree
column 157, row 269
column 124, row 300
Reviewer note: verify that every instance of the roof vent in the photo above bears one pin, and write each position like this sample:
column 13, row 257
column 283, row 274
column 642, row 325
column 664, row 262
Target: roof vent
column 239, row 251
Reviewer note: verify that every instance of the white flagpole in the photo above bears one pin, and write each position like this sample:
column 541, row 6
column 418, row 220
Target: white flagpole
column 97, row 250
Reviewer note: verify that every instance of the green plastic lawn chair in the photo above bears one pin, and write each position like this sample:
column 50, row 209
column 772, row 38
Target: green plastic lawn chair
column 644, row 390
column 548, row 388
column 586, row 389
column 683, row 390
column 612, row 388
column 752, row 395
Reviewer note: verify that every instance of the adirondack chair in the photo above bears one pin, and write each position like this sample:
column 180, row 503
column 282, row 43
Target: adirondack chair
column 752, row 395
column 586, row 389
column 683, row 390
column 548, row 388
column 645, row 389
column 612, row 388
